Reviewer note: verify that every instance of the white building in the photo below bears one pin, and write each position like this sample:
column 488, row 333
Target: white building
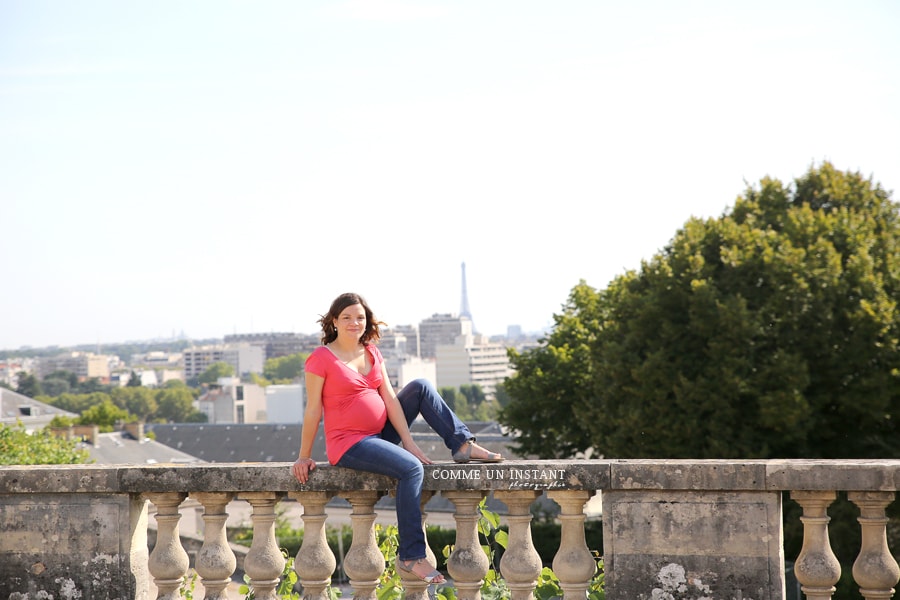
column 147, row 377
column 404, row 365
column 166, row 366
column 230, row 401
column 472, row 360
column 402, row 370
column 244, row 358
column 11, row 367
column 285, row 403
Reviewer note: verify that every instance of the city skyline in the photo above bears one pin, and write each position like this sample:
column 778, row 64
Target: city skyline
column 221, row 338
column 215, row 167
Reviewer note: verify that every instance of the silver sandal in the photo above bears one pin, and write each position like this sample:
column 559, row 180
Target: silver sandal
column 464, row 454
column 408, row 565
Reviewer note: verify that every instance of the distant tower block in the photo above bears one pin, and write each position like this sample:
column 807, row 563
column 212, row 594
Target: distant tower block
column 464, row 304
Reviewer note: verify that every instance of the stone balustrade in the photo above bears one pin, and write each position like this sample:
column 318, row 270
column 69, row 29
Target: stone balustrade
column 684, row 529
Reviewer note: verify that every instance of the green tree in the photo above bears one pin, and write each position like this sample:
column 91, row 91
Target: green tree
column 501, row 395
column 215, row 371
column 134, row 380
column 176, row 405
column 59, row 382
column 28, row 385
column 553, row 381
column 76, row 403
column 61, row 421
column 284, row 369
column 486, row 411
column 177, row 384
column 771, row 331
column 54, row 386
column 19, row 447
column 456, row 401
column 67, row 376
column 473, row 393
column 139, row 401
column 105, row 415
column 91, row 385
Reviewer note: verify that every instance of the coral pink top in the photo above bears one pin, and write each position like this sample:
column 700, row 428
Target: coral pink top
column 352, row 407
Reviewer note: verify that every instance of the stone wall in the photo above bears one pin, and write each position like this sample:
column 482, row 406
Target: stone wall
column 709, row 529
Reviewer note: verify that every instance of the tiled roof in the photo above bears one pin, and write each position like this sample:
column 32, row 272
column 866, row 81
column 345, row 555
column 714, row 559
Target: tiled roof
column 120, row 448
column 15, row 407
column 280, row 442
column 232, row 442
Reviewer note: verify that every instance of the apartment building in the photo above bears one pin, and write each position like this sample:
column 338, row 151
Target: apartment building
column 85, row 365
column 230, row 401
column 275, row 345
column 402, row 339
column 472, row 360
column 441, row 329
column 243, row 358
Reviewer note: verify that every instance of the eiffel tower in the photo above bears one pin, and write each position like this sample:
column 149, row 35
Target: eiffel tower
column 464, row 304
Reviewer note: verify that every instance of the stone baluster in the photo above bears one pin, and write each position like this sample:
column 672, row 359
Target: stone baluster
column 521, row 563
column 215, row 561
column 415, row 588
column 168, row 562
column 875, row 570
column 315, row 562
column 468, row 563
column 264, row 562
column 364, row 562
column 573, row 564
column 816, row 568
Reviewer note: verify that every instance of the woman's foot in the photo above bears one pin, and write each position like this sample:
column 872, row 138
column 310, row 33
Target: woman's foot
column 422, row 569
column 470, row 451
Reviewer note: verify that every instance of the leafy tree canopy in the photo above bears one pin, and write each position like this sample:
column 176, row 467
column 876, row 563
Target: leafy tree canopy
column 105, row 415
column 176, row 405
column 76, row 403
column 171, row 403
column 215, row 371
column 771, row 331
column 28, row 385
column 284, row 369
column 137, row 400
column 19, row 447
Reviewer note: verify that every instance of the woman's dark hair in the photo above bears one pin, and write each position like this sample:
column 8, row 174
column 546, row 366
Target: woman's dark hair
column 329, row 332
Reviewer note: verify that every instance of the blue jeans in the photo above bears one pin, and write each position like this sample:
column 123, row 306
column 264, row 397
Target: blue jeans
column 381, row 454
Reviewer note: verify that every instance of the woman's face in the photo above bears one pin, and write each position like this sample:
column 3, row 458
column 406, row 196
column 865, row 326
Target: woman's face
column 352, row 321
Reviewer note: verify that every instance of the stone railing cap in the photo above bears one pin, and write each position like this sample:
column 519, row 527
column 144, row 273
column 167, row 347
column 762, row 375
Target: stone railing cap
column 749, row 475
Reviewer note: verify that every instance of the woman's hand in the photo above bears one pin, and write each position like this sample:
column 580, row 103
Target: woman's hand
column 414, row 449
column 302, row 468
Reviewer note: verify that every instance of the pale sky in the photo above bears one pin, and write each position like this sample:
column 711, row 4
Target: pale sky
column 220, row 167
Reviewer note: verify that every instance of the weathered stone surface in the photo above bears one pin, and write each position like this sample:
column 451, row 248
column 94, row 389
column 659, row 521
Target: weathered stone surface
column 245, row 477
column 713, row 527
column 66, row 546
column 513, row 474
column 696, row 544
column 874, row 475
column 688, row 475
column 34, row 479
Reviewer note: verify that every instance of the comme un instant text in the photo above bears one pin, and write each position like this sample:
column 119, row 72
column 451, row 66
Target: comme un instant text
column 501, row 474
